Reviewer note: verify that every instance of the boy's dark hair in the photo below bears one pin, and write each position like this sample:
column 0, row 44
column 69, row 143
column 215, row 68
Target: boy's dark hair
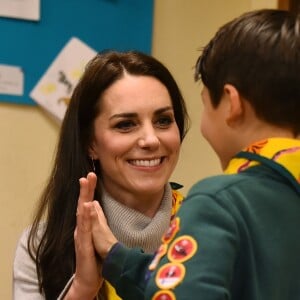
column 258, row 53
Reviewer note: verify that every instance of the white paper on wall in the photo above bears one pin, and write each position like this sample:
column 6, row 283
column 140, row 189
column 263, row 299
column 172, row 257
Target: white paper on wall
column 20, row 9
column 54, row 89
column 11, row 80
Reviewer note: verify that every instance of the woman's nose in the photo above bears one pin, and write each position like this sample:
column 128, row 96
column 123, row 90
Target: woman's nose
column 148, row 138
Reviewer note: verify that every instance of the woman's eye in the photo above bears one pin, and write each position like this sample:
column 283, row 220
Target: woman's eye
column 125, row 125
column 165, row 121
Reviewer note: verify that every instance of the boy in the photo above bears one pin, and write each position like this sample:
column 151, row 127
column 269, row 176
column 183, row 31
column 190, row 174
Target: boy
column 236, row 235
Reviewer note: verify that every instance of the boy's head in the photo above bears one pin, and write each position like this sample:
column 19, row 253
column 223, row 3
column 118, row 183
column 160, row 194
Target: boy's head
column 259, row 54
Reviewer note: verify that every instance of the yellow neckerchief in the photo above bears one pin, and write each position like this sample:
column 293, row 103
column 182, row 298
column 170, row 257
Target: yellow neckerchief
column 177, row 199
column 285, row 152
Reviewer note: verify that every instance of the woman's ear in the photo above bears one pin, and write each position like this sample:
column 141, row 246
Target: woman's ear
column 92, row 153
column 235, row 105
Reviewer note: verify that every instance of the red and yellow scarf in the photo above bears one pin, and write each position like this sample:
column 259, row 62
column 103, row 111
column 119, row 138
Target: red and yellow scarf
column 283, row 152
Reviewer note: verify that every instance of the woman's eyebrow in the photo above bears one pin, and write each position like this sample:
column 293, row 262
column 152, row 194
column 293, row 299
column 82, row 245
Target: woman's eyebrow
column 163, row 109
column 134, row 115
column 123, row 115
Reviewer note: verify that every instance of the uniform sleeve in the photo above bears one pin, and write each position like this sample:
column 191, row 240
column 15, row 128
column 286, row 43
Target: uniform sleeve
column 199, row 259
column 126, row 270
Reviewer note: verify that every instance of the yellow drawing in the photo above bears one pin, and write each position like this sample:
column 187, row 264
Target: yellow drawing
column 65, row 100
column 48, row 88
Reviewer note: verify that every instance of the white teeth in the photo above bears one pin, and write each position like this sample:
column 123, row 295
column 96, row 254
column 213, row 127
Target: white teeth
column 146, row 163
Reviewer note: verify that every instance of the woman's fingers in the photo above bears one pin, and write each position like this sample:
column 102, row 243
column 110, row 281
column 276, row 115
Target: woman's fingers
column 86, row 195
column 87, row 188
column 92, row 181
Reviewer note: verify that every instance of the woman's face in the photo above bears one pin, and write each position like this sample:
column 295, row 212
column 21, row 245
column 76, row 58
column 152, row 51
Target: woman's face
column 136, row 138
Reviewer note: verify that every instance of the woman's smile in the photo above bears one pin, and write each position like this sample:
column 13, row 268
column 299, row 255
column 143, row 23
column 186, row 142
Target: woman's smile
column 146, row 162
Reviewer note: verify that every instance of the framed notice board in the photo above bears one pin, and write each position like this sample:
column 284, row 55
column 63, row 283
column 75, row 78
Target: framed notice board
column 102, row 24
column 292, row 5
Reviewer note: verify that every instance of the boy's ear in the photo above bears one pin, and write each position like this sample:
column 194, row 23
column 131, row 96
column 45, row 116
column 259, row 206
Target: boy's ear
column 235, row 104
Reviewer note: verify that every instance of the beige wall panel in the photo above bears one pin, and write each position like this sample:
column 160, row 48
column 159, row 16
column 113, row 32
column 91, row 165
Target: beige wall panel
column 181, row 29
column 28, row 138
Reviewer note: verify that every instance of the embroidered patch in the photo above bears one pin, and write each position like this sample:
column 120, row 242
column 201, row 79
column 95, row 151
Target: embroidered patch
column 162, row 250
column 170, row 275
column 172, row 230
column 164, row 295
column 182, row 249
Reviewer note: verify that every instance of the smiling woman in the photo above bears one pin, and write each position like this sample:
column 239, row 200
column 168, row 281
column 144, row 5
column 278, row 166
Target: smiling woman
column 125, row 121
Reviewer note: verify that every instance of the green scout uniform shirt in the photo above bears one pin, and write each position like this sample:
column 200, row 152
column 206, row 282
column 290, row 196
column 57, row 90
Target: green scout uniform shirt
column 238, row 240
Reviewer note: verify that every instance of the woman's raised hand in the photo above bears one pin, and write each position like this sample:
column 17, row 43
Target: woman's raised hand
column 87, row 279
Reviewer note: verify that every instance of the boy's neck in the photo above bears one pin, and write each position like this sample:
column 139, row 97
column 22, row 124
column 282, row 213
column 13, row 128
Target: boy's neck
column 254, row 129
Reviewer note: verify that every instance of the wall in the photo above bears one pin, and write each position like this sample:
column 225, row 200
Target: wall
column 28, row 136
column 178, row 38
